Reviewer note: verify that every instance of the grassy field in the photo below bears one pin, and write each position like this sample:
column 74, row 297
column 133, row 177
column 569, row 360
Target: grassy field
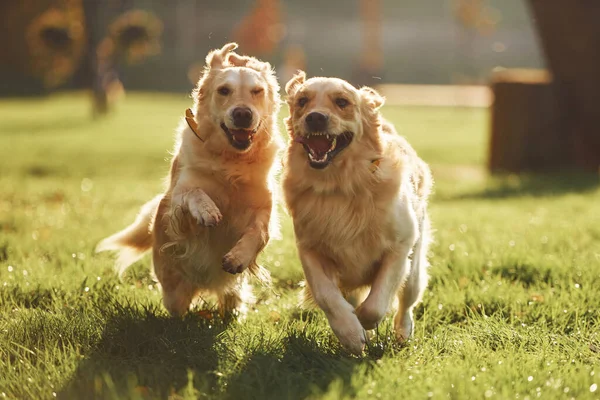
column 512, row 310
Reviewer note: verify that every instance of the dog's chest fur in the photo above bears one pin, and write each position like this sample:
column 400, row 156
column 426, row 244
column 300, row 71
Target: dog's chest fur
column 353, row 232
column 205, row 247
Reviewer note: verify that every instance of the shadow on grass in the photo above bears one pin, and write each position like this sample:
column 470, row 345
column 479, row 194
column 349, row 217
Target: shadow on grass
column 301, row 370
column 306, row 364
column 144, row 352
column 530, row 185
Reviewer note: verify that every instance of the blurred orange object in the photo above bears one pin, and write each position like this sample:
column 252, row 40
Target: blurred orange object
column 205, row 314
column 294, row 59
column 262, row 30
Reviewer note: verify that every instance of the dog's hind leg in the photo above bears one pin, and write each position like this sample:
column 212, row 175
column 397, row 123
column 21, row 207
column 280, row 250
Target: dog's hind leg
column 416, row 282
column 236, row 298
column 178, row 292
column 177, row 295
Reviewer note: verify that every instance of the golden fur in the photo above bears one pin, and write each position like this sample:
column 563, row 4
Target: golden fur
column 214, row 218
column 357, row 220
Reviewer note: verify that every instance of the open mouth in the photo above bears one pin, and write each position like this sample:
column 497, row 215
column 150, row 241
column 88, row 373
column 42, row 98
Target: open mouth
column 323, row 147
column 241, row 139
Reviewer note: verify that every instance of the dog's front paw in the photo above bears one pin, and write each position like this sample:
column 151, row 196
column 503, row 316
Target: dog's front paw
column 234, row 262
column 370, row 315
column 350, row 333
column 205, row 212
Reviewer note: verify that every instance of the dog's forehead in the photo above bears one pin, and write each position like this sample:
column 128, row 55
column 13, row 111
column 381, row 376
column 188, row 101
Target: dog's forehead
column 240, row 76
column 328, row 85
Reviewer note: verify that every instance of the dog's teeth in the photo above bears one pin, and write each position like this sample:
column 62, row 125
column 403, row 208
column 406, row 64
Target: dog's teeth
column 333, row 143
column 313, row 157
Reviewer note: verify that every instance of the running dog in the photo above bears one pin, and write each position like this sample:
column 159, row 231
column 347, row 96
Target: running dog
column 214, row 218
column 357, row 193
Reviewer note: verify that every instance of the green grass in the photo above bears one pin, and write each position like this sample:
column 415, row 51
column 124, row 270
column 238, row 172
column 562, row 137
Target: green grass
column 512, row 309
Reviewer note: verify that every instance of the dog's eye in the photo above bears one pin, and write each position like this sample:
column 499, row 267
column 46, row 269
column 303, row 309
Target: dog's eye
column 224, row 91
column 341, row 103
column 257, row 91
column 302, row 101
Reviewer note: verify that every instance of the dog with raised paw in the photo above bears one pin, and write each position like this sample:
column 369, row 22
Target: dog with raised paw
column 357, row 194
column 216, row 214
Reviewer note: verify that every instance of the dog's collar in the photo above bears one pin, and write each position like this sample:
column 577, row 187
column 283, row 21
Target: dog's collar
column 374, row 166
column 189, row 118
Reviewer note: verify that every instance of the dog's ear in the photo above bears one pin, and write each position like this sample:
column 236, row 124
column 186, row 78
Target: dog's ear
column 238, row 61
column 246, row 61
column 216, row 59
column 371, row 97
column 289, row 126
column 292, row 86
column 263, row 66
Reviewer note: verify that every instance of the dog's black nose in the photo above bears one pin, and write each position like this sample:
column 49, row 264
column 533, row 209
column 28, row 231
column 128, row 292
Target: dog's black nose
column 317, row 122
column 242, row 117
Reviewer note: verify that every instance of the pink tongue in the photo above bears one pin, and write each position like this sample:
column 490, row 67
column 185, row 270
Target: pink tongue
column 241, row 135
column 318, row 144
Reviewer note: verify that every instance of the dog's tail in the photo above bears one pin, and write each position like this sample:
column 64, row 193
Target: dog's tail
column 132, row 242
column 261, row 273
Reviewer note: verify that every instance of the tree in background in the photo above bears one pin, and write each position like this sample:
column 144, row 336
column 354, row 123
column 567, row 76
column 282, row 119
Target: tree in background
column 570, row 36
column 549, row 120
column 131, row 38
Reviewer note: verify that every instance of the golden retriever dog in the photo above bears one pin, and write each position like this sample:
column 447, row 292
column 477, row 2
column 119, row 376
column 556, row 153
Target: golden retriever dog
column 207, row 229
column 357, row 194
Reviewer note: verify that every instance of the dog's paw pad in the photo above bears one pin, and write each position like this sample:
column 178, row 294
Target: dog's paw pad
column 207, row 216
column 232, row 264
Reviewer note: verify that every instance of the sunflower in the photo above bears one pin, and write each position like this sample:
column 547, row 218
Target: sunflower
column 134, row 35
column 56, row 42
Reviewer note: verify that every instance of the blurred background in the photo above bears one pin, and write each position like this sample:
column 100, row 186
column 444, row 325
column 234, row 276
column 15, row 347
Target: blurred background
column 367, row 41
column 500, row 97
column 528, row 55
